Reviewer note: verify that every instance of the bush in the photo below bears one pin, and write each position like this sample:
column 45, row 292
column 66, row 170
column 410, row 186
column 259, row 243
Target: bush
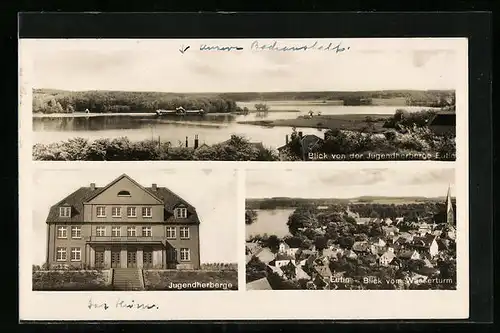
column 122, row 149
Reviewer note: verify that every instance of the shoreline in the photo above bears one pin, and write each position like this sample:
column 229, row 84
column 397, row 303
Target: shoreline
column 342, row 122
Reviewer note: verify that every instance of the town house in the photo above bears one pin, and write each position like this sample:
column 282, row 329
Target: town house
column 123, row 225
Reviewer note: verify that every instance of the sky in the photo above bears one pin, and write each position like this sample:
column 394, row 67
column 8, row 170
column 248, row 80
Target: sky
column 350, row 183
column 158, row 65
column 215, row 202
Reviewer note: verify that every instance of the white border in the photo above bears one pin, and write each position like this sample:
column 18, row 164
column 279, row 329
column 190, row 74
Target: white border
column 220, row 305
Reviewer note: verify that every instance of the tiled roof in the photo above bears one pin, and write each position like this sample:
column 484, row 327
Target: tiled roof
column 83, row 194
column 260, row 284
column 172, row 200
column 75, row 200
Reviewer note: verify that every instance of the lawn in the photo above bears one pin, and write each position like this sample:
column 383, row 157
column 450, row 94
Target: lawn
column 71, row 280
column 191, row 280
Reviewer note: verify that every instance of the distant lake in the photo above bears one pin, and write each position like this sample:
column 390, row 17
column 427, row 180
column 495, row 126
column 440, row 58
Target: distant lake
column 270, row 221
column 211, row 129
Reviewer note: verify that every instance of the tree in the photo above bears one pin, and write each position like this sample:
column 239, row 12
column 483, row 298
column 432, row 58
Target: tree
column 250, row 216
column 320, row 243
column 273, row 242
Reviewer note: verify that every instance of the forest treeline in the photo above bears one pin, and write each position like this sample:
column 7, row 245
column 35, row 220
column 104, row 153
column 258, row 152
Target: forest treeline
column 60, row 101
column 432, row 98
column 364, row 202
column 101, row 101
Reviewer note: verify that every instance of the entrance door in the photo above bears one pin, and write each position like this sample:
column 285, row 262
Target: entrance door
column 147, row 257
column 99, row 258
column 131, row 258
column 115, row 258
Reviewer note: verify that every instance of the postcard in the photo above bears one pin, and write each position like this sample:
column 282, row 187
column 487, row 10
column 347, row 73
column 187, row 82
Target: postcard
column 173, row 179
column 244, row 99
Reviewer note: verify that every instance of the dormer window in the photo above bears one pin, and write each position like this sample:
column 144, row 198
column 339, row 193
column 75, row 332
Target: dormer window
column 64, row 211
column 124, row 194
column 180, row 213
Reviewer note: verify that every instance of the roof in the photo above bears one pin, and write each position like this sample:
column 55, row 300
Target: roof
column 361, row 246
column 324, row 271
column 424, row 241
column 260, row 284
column 281, row 256
column 388, row 254
column 77, row 199
column 443, row 118
column 406, row 254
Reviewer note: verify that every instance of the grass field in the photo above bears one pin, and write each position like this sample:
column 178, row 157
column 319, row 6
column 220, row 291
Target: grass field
column 191, row 280
column 71, row 280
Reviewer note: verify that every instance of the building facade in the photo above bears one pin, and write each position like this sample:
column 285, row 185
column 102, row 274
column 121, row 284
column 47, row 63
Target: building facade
column 123, row 225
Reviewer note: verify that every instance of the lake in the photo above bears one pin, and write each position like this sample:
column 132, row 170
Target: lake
column 271, row 222
column 210, row 129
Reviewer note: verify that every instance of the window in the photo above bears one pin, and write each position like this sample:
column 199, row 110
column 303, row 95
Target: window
column 62, row 232
column 185, row 255
column 101, row 211
column 131, row 212
column 76, row 254
column 146, row 232
column 131, row 232
column 61, row 254
column 180, row 213
column 171, row 233
column 64, row 211
column 116, row 232
column 184, row 232
column 76, row 232
column 124, row 194
column 116, row 211
column 147, row 212
column 100, row 231
column 172, row 254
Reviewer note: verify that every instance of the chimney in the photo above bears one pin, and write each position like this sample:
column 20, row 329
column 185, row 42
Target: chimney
column 187, row 142
column 286, row 139
column 196, row 141
column 300, row 134
column 92, row 186
column 154, row 187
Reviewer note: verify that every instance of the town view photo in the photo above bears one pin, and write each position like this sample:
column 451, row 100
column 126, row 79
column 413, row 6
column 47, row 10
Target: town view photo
column 351, row 229
column 104, row 229
column 238, row 100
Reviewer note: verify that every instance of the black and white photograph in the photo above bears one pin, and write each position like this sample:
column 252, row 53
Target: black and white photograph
column 351, row 229
column 245, row 100
column 122, row 229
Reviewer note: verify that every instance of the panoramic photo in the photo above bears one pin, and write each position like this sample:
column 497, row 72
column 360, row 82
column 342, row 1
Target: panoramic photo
column 98, row 230
column 243, row 100
column 351, row 229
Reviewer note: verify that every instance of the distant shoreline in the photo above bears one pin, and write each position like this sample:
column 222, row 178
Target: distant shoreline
column 344, row 122
column 116, row 114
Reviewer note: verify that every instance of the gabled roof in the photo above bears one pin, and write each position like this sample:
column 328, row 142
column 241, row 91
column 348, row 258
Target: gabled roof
column 84, row 194
column 102, row 189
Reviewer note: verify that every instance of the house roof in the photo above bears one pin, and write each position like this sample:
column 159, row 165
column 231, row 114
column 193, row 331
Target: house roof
column 281, row 256
column 406, row 254
column 260, row 284
column 424, row 241
column 443, row 118
column 324, row 271
column 77, row 199
column 361, row 246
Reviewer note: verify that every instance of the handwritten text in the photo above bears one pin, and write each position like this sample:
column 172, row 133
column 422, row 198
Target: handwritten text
column 121, row 304
column 274, row 46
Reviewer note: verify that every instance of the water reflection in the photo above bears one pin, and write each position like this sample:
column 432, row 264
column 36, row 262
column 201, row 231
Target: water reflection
column 211, row 128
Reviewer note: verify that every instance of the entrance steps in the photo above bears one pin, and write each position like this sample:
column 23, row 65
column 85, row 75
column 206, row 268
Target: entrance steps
column 127, row 279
